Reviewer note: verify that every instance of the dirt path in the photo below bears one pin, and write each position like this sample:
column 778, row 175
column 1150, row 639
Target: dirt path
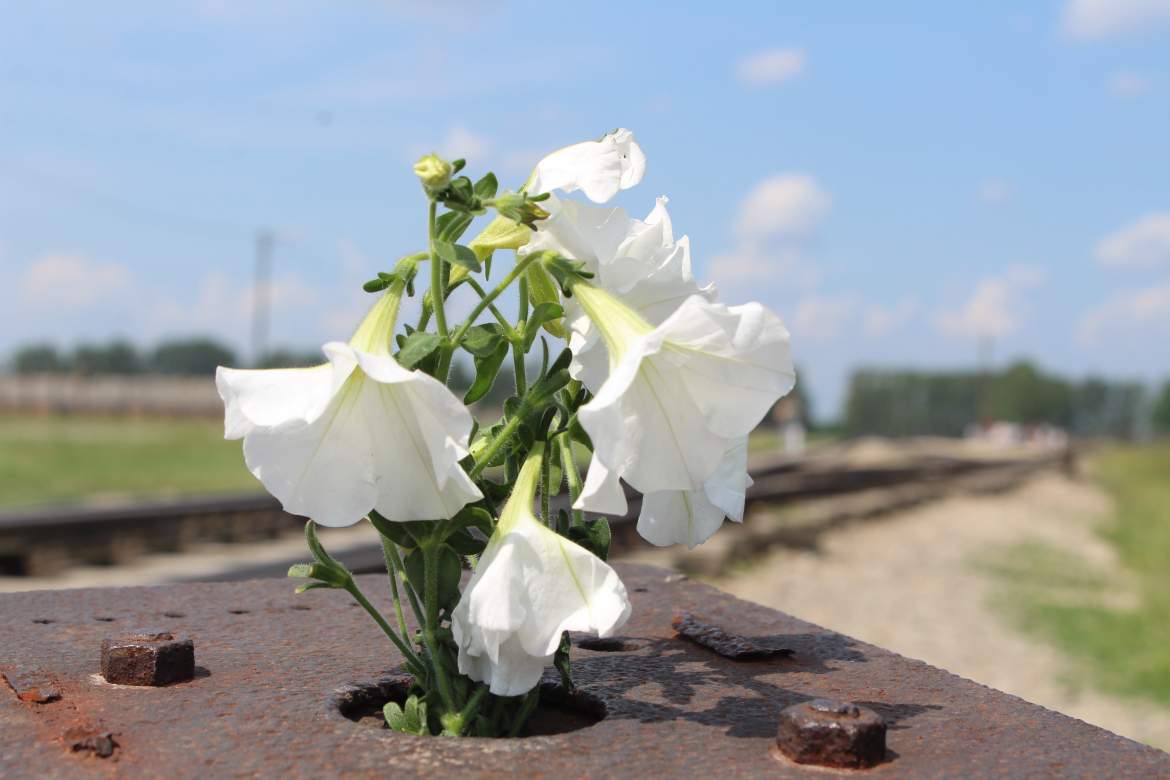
column 908, row 583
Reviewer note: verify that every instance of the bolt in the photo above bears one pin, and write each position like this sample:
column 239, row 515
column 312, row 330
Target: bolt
column 148, row 657
column 832, row 733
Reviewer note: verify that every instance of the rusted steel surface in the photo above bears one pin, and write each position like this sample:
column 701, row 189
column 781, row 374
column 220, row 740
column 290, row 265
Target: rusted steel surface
column 832, row 733
column 148, row 657
column 727, row 644
column 264, row 698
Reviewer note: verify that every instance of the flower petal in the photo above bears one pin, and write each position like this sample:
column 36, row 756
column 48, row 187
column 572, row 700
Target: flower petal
column 271, row 397
column 598, row 168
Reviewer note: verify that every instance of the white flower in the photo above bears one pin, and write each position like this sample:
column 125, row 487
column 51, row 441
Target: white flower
column 358, row 433
column 679, row 395
column 529, row 585
column 691, row 517
column 639, row 262
column 598, row 168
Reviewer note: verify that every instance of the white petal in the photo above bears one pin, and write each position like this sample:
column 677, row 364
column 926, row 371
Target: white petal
column 690, row 517
column 602, row 492
column 389, row 439
column 678, row 517
column 530, row 585
column 274, row 397
column 648, row 429
column 734, row 361
column 599, row 168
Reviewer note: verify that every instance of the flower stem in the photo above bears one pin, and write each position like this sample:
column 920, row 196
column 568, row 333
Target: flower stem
column 487, row 298
column 436, row 274
column 572, row 475
column 489, row 453
column 525, row 711
column 391, row 551
column 412, row 660
column 545, row 499
column 393, row 572
column 430, row 551
column 469, row 711
column 517, row 347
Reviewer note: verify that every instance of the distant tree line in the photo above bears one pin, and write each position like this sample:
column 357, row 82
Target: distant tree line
column 912, row 403
column 196, row 356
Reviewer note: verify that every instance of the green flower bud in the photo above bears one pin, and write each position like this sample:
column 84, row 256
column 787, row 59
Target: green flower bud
column 434, row 172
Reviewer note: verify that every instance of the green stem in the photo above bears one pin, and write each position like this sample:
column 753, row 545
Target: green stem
column 418, row 670
column 525, row 711
column 572, row 475
column 430, row 551
column 489, row 453
column 393, row 573
column 517, row 347
column 436, row 275
column 499, row 315
column 487, row 298
column 545, row 498
column 469, row 711
column 399, row 568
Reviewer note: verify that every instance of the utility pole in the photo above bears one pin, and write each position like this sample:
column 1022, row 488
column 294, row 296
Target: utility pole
column 261, row 294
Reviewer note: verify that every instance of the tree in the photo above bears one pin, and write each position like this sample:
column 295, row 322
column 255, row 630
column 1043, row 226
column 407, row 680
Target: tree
column 39, row 359
column 1162, row 410
column 190, row 357
column 116, row 358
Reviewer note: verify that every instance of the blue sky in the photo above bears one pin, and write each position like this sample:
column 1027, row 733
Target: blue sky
column 900, row 181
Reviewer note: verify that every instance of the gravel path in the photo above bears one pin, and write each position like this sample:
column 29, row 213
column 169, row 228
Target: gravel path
column 908, row 583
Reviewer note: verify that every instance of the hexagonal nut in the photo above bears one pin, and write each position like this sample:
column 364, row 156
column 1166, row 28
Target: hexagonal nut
column 148, row 657
column 832, row 733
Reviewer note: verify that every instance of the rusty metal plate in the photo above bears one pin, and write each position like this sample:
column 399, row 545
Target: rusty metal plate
column 269, row 665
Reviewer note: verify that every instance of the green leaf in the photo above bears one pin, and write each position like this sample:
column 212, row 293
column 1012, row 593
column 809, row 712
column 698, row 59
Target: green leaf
column 482, row 340
column 474, row 517
column 592, row 534
column 376, row 285
column 411, row 719
column 399, row 533
column 452, row 225
column 561, row 662
column 464, row 543
column 541, row 313
column 457, row 254
column 486, row 187
column 486, row 370
column 542, row 289
column 417, row 347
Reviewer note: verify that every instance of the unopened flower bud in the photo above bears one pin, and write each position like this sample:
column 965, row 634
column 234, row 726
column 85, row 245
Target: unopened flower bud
column 518, row 207
column 434, row 172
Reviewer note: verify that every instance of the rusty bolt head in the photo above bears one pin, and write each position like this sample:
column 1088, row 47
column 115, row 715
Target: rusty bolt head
column 148, row 657
column 832, row 733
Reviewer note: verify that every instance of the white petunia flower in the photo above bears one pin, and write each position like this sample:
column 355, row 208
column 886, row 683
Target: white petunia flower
column 360, row 432
column 691, row 517
column 639, row 262
column 678, row 395
column 529, row 585
column 600, row 169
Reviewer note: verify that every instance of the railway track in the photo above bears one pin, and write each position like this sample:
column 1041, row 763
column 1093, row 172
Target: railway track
column 45, row 541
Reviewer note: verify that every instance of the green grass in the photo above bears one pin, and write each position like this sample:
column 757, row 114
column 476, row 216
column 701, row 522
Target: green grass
column 1126, row 651
column 68, row 459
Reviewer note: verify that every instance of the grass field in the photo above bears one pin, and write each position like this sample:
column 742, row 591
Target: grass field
column 65, row 459
column 1125, row 649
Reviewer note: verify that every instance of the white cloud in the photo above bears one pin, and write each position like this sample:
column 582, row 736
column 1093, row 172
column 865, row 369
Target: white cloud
column 771, row 66
column 821, row 318
column 1126, row 84
column 1145, row 311
column 995, row 191
column 995, row 308
column 786, row 206
column 880, row 320
column 1097, row 19
column 71, row 279
column 461, row 142
column 1142, row 243
column 775, row 222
